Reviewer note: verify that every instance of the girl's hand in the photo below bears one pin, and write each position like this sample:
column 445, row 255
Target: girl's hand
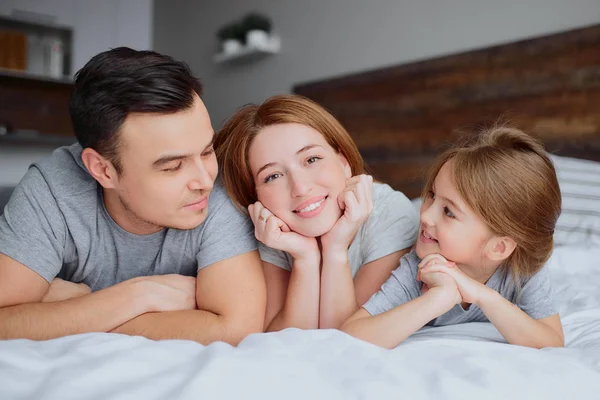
column 356, row 200
column 439, row 281
column 274, row 233
column 470, row 290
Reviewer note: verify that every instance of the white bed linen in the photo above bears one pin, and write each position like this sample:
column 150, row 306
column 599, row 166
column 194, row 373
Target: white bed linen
column 469, row 361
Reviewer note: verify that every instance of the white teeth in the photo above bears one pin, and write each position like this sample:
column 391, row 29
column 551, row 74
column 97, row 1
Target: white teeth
column 426, row 235
column 312, row 206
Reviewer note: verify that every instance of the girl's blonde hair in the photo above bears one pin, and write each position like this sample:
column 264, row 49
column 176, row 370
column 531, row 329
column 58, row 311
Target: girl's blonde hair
column 233, row 141
column 507, row 178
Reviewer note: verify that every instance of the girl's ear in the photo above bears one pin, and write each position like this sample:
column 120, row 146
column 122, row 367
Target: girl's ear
column 499, row 248
column 346, row 166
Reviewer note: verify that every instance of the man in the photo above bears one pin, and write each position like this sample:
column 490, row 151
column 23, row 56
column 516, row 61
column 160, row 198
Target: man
column 132, row 212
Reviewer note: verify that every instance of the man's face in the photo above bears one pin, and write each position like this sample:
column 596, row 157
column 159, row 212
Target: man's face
column 168, row 170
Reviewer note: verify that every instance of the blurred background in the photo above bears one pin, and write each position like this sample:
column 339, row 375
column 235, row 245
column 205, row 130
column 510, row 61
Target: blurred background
column 44, row 42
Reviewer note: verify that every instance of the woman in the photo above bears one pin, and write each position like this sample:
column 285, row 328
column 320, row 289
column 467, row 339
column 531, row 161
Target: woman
column 330, row 237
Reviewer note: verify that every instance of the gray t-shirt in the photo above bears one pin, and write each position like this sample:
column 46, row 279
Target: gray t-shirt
column 56, row 224
column 535, row 297
column 392, row 226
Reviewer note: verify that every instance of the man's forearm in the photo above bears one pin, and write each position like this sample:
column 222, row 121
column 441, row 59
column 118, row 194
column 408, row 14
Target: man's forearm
column 199, row 325
column 97, row 312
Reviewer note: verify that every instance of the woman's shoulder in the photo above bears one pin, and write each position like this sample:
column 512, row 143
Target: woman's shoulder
column 390, row 204
column 384, row 194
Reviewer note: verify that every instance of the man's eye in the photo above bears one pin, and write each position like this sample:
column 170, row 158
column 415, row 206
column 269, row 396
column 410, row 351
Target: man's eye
column 272, row 177
column 176, row 168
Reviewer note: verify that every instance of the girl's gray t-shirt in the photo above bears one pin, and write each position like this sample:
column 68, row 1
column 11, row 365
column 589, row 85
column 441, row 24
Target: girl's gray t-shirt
column 534, row 298
column 392, row 226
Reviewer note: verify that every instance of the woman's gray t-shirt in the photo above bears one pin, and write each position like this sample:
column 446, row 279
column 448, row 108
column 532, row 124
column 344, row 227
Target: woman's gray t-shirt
column 534, row 298
column 392, row 226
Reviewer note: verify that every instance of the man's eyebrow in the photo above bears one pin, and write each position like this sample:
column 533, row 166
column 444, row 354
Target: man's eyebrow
column 167, row 159
column 212, row 141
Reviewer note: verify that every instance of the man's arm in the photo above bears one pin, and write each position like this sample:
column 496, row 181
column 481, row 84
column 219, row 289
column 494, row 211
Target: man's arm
column 23, row 316
column 231, row 298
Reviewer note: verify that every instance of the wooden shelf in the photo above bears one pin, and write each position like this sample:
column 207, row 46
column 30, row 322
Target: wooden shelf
column 271, row 47
column 35, row 77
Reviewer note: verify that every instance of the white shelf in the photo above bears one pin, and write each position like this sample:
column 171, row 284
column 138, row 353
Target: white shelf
column 271, row 47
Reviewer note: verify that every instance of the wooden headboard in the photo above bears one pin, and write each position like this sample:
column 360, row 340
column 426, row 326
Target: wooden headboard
column 402, row 116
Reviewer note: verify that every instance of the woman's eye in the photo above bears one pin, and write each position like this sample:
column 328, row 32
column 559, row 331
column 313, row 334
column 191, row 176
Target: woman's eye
column 312, row 159
column 176, row 168
column 208, row 152
column 448, row 213
column 271, row 177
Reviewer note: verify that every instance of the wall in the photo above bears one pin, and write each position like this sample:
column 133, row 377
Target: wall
column 323, row 38
column 97, row 26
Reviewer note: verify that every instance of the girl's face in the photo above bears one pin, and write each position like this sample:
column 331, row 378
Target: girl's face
column 450, row 227
column 298, row 177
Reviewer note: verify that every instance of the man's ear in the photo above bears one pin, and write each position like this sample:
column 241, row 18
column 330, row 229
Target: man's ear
column 100, row 168
column 499, row 248
column 346, row 166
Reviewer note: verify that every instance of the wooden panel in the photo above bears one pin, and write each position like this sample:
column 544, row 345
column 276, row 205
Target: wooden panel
column 401, row 117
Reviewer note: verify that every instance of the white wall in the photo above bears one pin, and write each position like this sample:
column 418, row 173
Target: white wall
column 323, row 38
column 97, row 26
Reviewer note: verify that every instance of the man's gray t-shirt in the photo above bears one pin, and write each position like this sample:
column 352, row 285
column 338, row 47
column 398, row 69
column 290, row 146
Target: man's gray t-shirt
column 392, row 226
column 56, row 224
column 535, row 297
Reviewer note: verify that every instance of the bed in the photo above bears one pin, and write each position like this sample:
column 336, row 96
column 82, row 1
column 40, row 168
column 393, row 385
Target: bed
column 469, row 361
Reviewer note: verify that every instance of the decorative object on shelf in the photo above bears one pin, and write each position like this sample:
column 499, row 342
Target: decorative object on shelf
column 231, row 38
column 257, row 29
column 249, row 36
column 35, row 49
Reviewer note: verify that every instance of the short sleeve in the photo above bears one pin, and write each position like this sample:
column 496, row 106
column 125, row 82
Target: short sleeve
column 278, row 258
column 401, row 287
column 32, row 229
column 227, row 233
column 536, row 298
column 392, row 226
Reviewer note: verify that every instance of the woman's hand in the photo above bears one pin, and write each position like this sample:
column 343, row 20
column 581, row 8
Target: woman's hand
column 438, row 280
column 273, row 232
column 61, row 290
column 356, row 201
column 470, row 290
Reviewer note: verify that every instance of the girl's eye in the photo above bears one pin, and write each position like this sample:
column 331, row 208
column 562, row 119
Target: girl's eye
column 313, row 159
column 431, row 195
column 448, row 213
column 176, row 168
column 272, row 176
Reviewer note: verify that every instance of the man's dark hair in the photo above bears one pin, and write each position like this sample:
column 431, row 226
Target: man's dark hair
column 120, row 81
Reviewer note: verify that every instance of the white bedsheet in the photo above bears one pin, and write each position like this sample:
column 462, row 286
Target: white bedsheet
column 469, row 361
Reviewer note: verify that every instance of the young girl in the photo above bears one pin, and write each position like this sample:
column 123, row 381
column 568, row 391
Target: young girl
column 487, row 221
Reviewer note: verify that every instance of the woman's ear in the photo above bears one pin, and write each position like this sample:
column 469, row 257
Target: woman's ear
column 499, row 248
column 346, row 166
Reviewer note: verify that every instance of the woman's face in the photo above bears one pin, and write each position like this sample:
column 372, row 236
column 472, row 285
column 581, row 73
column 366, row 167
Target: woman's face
column 298, row 177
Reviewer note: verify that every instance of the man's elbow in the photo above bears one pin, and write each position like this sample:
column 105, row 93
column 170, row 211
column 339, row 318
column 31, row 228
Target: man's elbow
column 238, row 330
